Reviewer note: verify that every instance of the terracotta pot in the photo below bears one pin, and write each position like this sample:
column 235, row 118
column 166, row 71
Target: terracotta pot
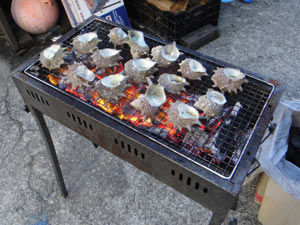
column 35, row 16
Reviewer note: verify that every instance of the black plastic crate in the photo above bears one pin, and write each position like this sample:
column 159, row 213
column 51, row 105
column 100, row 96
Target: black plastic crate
column 173, row 26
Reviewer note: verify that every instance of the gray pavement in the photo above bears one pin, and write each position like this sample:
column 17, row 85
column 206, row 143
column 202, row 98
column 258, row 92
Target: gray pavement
column 262, row 37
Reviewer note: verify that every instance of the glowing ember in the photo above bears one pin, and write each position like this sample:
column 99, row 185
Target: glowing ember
column 124, row 111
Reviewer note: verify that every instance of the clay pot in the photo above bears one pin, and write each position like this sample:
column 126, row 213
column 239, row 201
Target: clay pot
column 35, row 16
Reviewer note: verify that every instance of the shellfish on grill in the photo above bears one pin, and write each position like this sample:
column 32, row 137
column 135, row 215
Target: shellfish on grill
column 117, row 36
column 137, row 44
column 107, row 57
column 211, row 103
column 183, row 115
column 86, row 43
column 140, row 68
column 228, row 79
column 112, row 86
column 52, row 57
column 149, row 102
column 79, row 76
column 172, row 83
column 192, row 69
column 165, row 55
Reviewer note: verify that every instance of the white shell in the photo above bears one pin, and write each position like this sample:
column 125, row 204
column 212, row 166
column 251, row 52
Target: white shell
column 228, row 79
column 107, row 57
column 183, row 115
column 112, row 86
column 211, row 103
column 88, row 37
column 83, row 72
column 138, row 46
column 112, row 81
column 52, row 57
column 79, row 76
column 165, row 55
column 85, row 43
column 172, row 83
column 140, row 68
column 149, row 103
column 192, row 69
column 117, row 36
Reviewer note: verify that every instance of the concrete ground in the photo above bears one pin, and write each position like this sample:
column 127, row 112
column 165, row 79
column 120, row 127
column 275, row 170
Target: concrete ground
column 262, row 37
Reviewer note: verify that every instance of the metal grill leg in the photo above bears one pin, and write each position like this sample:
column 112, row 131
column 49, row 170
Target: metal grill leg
column 218, row 217
column 51, row 150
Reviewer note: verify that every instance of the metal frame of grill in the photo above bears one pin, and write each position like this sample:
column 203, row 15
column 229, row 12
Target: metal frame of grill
column 184, row 174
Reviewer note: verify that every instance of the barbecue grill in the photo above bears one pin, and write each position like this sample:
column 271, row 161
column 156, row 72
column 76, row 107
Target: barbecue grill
column 207, row 164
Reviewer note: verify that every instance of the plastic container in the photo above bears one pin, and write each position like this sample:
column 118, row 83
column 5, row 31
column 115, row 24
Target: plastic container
column 172, row 26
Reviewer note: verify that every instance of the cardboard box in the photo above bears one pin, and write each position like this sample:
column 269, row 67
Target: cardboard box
column 79, row 10
column 278, row 207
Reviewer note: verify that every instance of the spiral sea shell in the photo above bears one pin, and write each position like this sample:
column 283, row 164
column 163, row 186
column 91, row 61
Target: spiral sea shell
column 172, row 83
column 228, row 79
column 52, row 57
column 183, row 115
column 85, row 43
column 211, row 103
column 139, row 69
column 165, row 55
column 192, row 69
column 117, row 36
column 107, row 57
column 112, row 86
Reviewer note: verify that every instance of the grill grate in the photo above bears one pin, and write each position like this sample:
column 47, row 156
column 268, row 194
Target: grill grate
column 217, row 146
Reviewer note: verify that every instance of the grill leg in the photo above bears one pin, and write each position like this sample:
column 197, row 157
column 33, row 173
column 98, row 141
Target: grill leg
column 39, row 118
column 218, row 217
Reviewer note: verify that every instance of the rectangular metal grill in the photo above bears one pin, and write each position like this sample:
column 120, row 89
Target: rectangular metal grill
column 207, row 165
column 231, row 136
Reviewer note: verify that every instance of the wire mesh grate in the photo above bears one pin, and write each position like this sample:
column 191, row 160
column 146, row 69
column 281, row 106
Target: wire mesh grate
column 217, row 145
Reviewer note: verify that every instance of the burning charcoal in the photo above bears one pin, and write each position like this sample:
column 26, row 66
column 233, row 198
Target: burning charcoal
column 117, row 36
column 139, row 69
column 192, row 69
column 172, row 83
column 149, row 103
column 211, row 103
column 228, row 79
column 137, row 44
column 106, row 58
column 165, row 55
column 86, row 43
column 52, row 57
column 183, row 115
column 79, row 76
column 196, row 138
column 112, row 86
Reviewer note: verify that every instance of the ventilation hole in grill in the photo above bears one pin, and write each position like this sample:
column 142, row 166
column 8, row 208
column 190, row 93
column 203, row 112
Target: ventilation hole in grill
column 42, row 99
column 129, row 147
column 116, row 141
column 173, row 172
column 32, row 94
column 68, row 114
column 135, row 151
column 188, row 181
column 205, row 190
column 143, row 155
column 122, row 144
column 91, row 127
column 180, row 176
column 73, row 117
column 197, row 185
column 47, row 103
column 79, row 120
column 84, row 123
column 37, row 97
column 28, row 92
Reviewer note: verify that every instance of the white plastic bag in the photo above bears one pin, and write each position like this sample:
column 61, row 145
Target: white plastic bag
column 273, row 150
